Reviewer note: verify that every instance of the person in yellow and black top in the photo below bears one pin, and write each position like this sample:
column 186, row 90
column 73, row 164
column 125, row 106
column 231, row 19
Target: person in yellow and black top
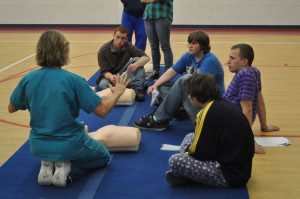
column 220, row 152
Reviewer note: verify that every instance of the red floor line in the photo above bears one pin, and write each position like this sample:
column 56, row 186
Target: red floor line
column 14, row 124
column 21, row 75
column 261, row 135
column 17, row 74
column 83, row 55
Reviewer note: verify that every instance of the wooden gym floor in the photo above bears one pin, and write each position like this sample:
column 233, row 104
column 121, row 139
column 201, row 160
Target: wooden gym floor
column 275, row 174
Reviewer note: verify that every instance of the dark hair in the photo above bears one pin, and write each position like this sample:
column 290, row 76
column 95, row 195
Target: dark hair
column 52, row 49
column 203, row 87
column 200, row 37
column 246, row 52
column 121, row 29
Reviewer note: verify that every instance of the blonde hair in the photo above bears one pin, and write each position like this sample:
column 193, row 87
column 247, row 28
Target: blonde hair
column 52, row 49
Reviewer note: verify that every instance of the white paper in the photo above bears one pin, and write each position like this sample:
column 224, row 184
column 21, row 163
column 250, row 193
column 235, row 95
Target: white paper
column 170, row 147
column 272, row 141
column 155, row 94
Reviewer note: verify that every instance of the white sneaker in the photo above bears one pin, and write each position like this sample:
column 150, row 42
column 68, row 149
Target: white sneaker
column 62, row 171
column 46, row 172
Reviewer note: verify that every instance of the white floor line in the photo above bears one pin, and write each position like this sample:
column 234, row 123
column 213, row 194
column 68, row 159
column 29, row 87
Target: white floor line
column 11, row 65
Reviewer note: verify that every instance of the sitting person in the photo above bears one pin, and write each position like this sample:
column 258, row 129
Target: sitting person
column 198, row 59
column 53, row 97
column 118, row 56
column 220, row 152
column 244, row 90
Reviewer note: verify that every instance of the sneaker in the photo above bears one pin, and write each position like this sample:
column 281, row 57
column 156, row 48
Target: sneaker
column 158, row 101
column 175, row 181
column 46, row 173
column 148, row 123
column 154, row 76
column 181, row 114
column 62, row 171
column 139, row 95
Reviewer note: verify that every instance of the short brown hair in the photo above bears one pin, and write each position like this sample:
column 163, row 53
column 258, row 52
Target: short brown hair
column 52, row 49
column 203, row 87
column 246, row 52
column 201, row 38
column 121, row 29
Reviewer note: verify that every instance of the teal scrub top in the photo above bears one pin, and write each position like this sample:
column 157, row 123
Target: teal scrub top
column 53, row 97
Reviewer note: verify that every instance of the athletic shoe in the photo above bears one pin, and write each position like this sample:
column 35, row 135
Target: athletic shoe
column 46, row 173
column 148, row 123
column 154, row 76
column 175, row 181
column 61, row 174
column 181, row 114
column 139, row 95
column 158, row 101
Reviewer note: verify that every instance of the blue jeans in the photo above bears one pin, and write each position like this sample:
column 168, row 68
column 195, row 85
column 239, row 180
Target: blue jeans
column 158, row 32
column 136, row 24
column 176, row 97
column 139, row 77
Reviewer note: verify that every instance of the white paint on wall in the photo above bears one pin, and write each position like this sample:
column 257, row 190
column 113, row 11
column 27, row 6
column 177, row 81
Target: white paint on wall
column 186, row 12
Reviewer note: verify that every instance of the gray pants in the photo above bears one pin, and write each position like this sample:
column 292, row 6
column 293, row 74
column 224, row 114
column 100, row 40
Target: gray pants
column 203, row 172
column 176, row 97
column 138, row 77
column 158, row 33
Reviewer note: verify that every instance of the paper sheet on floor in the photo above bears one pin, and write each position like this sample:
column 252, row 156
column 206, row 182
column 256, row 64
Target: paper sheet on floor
column 272, row 141
column 170, row 147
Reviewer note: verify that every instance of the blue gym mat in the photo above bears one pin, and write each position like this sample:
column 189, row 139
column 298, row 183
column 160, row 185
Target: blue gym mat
column 130, row 175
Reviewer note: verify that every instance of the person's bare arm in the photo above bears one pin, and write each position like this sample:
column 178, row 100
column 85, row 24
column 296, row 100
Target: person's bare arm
column 11, row 108
column 110, row 77
column 169, row 74
column 263, row 116
column 247, row 110
column 139, row 63
column 107, row 104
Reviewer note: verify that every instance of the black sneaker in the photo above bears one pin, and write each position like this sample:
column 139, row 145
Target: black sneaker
column 175, row 181
column 154, row 76
column 139, row 95
column 158, row 101
column 181, row 114
column 148, row 123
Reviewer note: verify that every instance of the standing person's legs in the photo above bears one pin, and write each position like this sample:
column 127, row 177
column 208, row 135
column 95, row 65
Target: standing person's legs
column 127, row 21
column 154, row 43
column 163, row 29
column 140, row 34
column 94, row 156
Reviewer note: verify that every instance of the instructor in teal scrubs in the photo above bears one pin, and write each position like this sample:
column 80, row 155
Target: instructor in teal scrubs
column 53, row 97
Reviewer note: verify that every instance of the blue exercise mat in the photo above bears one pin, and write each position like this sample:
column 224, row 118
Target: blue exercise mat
column 130, row 175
